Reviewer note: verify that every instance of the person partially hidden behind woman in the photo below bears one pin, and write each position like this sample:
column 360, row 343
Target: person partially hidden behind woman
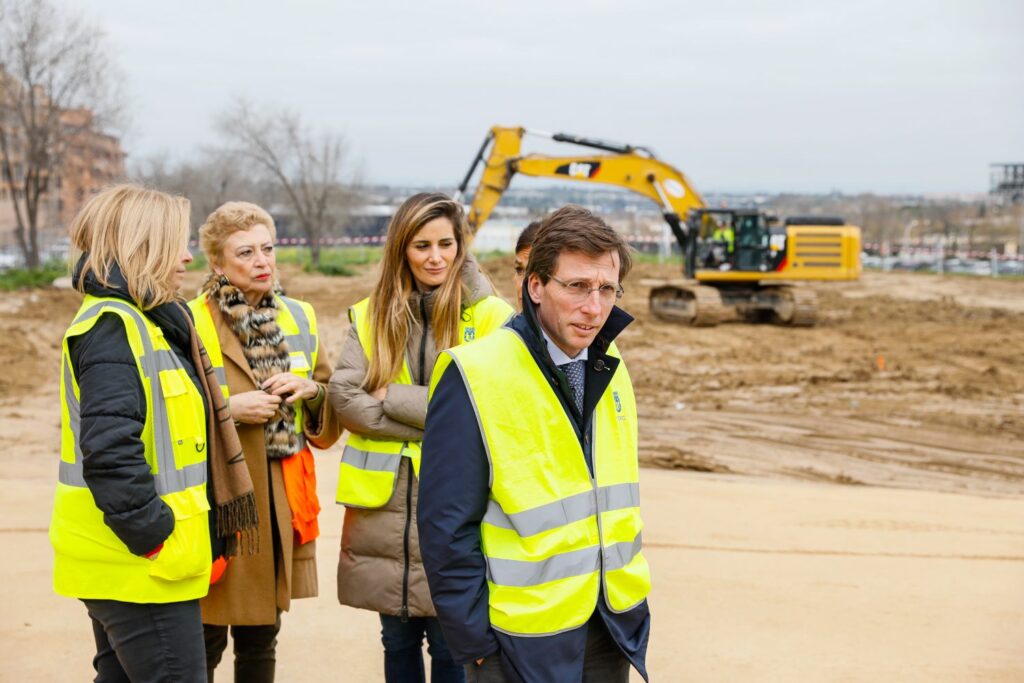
column 524, row 245
column 266, row 351
column 146, row 446
column 429, row 297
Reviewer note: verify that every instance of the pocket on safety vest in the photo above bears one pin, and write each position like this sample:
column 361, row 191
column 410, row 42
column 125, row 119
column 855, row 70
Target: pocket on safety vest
column 186, row 552
column 187, row 433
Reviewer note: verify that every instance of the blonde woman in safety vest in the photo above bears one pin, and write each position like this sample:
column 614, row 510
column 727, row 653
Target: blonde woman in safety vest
column 530, row 503
column 429, row 297
column 142, row 457
column 265, row 350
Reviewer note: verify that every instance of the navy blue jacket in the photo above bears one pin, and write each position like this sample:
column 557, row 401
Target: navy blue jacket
column 454, row 484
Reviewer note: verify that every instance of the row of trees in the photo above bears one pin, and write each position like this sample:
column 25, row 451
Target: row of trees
column 53, row 61
column 271, row 157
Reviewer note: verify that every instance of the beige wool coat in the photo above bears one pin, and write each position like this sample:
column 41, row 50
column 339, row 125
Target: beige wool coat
column 372, row 561
column 251, row 593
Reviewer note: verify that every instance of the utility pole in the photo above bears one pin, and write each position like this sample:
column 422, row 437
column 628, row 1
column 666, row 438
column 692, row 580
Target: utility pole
column 1007, row 185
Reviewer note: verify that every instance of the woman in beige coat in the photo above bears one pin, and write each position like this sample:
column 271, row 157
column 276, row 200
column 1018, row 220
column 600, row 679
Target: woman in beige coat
column 265, row 348
column 429, row 297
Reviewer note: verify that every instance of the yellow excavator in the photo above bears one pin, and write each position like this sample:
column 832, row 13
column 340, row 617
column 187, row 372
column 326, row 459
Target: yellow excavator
column 741, row 259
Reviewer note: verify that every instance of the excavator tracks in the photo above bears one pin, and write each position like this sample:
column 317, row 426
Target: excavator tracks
column 705, row 306
column 693, row 305
column 794, row 306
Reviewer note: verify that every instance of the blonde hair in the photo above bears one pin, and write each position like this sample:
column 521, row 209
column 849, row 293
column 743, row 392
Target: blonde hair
column 227, row 219
column 142, row 231
column 391, row 317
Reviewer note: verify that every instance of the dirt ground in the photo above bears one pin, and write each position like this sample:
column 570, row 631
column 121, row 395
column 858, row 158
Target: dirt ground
column 791, row 545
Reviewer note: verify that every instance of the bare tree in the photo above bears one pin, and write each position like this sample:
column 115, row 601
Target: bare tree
column 53, row 65
column 208, row 181
column 305, row 164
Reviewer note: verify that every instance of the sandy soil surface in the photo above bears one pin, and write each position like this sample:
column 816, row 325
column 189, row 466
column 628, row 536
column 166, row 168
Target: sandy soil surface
column 754, row 580
column 765, row 568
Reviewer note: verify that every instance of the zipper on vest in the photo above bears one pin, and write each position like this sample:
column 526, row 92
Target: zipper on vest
column 404, row 613
column 405, row 545
column 423, row 341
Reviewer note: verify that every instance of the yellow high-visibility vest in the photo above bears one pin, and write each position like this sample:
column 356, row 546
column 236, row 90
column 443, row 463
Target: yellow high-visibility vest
column 726, row 235
column 90, row 561
column 369, row 466
column 298, row 325
column 552, row 535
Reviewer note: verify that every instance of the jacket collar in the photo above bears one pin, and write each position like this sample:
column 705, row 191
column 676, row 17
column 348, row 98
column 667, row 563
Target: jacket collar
column 230, row 347
column 169, row 317
column 600, row 367
column 475, row 286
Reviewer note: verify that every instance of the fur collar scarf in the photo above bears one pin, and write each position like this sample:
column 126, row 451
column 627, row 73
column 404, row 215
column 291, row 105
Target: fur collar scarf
column 265, row 350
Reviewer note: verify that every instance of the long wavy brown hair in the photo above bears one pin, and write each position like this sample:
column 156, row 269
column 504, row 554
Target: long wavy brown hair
column 391, row 315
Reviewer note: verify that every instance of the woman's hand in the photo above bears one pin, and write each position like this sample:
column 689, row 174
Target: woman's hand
column 291, row 385
column 380, row 393
column 253, row 407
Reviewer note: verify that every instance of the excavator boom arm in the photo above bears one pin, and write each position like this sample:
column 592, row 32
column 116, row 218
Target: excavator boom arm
column 633, row 168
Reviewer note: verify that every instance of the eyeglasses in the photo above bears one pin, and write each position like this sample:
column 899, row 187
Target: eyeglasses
column 579, row 290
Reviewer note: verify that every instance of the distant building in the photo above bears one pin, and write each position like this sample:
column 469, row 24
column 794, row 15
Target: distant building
column 1008, row 182
column 91, row 161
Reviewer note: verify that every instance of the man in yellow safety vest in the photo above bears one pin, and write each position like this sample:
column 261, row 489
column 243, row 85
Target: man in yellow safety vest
column 529, row 508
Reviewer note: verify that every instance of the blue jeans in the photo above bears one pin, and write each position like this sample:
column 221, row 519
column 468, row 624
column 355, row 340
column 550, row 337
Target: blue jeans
column 403, row 651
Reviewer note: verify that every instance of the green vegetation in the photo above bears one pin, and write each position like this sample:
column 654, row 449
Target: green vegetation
column 198, row 262
column 331, row 257
column 484, row 256
column 334, row 261
column 25, row 278
column 648, row 257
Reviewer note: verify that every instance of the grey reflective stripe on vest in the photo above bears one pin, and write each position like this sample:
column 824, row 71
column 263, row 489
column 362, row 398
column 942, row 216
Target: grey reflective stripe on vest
column 565, row 511
column 222, row 377
column 71, row 473
column 304, row 341
column 521, row 573
column 74, row 409
column 618, row 555
column 167, row 478
column 371, row 461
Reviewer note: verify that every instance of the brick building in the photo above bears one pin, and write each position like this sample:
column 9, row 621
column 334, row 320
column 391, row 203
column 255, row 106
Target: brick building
column 91, row 160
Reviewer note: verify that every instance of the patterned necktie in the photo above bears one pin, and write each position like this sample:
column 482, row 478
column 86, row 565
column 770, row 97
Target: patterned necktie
column 574, row 373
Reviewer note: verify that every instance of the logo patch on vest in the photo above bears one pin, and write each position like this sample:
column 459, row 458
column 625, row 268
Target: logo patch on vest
column 618, row 402
column 469, row 335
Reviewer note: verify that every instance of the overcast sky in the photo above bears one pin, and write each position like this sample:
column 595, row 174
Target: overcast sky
column 894, row 96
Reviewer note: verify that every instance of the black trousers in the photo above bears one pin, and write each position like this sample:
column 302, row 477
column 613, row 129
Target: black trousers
column 255, row 650
column 147, row 643
column 603, row 661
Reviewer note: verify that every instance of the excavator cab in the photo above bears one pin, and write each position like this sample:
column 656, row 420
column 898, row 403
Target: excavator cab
column 732, row 239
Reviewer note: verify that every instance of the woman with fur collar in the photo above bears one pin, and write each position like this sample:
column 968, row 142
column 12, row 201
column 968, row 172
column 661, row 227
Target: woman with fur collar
column 429, row 296
column 264, row 347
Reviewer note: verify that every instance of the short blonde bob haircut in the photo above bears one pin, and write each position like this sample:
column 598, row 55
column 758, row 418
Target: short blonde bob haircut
column 226, row 220
column 142, row 231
